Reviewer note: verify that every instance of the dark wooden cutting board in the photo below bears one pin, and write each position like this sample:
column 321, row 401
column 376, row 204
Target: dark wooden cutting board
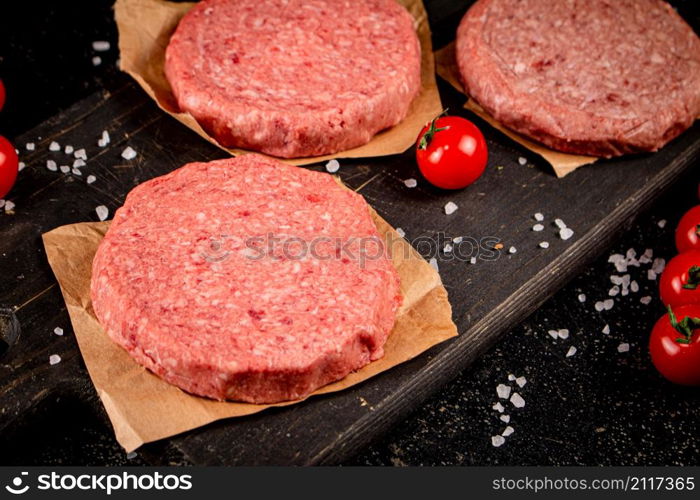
column 488, row 298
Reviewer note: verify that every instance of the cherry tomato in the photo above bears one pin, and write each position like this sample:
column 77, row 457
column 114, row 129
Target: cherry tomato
column 8, row 166
column 688, row 231
column 451, row 152
column 680, row 281
column 2, row 95
column 674, row 345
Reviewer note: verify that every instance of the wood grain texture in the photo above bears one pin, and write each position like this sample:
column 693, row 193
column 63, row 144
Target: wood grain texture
column 488, row 298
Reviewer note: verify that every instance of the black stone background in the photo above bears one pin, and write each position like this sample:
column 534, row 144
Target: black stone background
column 596, row 407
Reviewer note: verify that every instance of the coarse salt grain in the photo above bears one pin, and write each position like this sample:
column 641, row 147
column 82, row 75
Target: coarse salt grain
column 651, row 275
column 450, row 207
column 76, row 171
column 51, row 165
column 54, row 359
column 434, row 264
column 646, row 256
column 511, row 377
column 410, row 183
column 658, row 265
column 497, row 441
column 614, row 291
column 553, row 333
column 503, row 391
column 517, row 400
column 507, row 431
column 100, row 45
column 582, row 297
column 606, row 329
column 9, row 206
column 563, row 333
column 96, row 60
column 662, row 223
column 571, row 352
column 129, row 153
column 90, row 179
column 30, row 146
column 565, row 233
column 498, row 407
column 624, row 347
column 58, row 331
column 538, row 227
column 538, row 217
column 646, row 300
column 472, row 260
column 332, row 166
column 131, row 455
column 608, row 304
column 54, row 146
column 102, row 212
column 399, row 231
column 80, row 153
column 521, row 381
column 634, row 286
column 448, row 248
column 559, row 223
column 512, row 250
column 68, row 150
column 20, row 166
column 599, row 306
column 544, row 244
column 505, row 418
column 79, row 163
column 458, row 239
column 522, row 160
column 65, row 169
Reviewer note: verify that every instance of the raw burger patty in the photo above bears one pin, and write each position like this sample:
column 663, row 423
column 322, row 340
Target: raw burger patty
column 190, row 281
column 594, row 77
column 295, row 78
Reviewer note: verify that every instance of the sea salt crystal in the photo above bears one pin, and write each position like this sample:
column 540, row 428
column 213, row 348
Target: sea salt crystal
column 553, row 333
column 646, row 300
column 129, row 153
column 507, row 431
column 20, row 166
column 497, row 441
column 58, row 331
column 131, row 455
column 90, row 179
column 472, row 260
column 563, row 333
column 608, row 304
column 512, row 250
column 76, row 171
column 96, row 60
column 517, row 400
column 582, row 297
column 458, row 239
column 646, row 256
column 102, row 212
column 54, row 146
column 521, row 381
column 332, row 166
column 30, row 146
column 634, row 286
column 9, row 206
column 450, row 207
column 65, row 169
column 599, row 306
column 565, row 233
column 51, row 165
column 503, row 391
column 410, row 183
column 544, row 244
column 624, row 347
column 537, row 228
column 559, row 223
column 614, row 291
column 399, row 231
column 615, row 279
column 79, row 163
column 498, row 407
column 433, row 263
column 54, row 359
column 651, row 275
column 511, row 377
column 68, row 150
column 448, row 248
column 81, row 154
column 539, row 217
column 100, row 46
column 104, row 140
column 522, row 160
column 606, row 330
column 571, row 352
column 662, row 223
column 505, row 418
column 626, row 280
column 658, row 265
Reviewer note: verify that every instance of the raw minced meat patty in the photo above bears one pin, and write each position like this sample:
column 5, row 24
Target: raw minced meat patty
column 598, row 77
column 295, row 78
column 246, row 279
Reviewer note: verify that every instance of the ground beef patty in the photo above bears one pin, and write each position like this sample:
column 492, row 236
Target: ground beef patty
column 245, row 279
column 295, row 78
column 583, row 76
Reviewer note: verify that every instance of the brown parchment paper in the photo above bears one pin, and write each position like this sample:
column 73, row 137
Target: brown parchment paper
column 145, row 27
column 144, row 408
column 562, row 163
